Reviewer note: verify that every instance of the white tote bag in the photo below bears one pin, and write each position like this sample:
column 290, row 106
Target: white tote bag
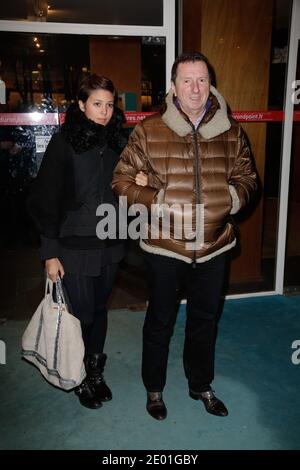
column 53, row 341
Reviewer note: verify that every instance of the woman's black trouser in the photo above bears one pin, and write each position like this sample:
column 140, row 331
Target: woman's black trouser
column 88, row 296
column 203, row 289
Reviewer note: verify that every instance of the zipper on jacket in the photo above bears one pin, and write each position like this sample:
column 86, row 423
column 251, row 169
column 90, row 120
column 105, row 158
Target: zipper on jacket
column 197, row 168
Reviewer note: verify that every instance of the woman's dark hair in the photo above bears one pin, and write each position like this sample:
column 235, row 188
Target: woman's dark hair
column 95, row 82
column 190, row 57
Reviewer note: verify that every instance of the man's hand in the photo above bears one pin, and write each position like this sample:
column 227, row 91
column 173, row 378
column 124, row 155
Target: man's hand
column 141, row 179
column 54, row 268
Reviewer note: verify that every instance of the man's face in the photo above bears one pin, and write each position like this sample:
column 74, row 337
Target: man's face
column 192, row 87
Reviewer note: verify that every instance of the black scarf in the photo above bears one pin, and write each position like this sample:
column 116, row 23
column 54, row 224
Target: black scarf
column 84, row 134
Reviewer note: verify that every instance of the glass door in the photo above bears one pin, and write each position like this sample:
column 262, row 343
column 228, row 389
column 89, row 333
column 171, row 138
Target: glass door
column 288, row 245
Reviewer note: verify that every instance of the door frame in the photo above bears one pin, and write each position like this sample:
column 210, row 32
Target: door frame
column 167, row 30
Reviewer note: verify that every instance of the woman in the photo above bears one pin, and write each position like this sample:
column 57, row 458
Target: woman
column 74, row 179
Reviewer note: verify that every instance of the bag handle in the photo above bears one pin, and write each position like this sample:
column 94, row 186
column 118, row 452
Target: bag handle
column 48, row 286
column 60, row 293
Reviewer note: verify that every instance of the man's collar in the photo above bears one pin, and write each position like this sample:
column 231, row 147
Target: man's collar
column 214, row 123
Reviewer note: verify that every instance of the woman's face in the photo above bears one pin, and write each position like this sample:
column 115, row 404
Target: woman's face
column 99, row 106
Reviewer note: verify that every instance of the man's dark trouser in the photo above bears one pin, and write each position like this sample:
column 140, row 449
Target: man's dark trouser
column 203, row 288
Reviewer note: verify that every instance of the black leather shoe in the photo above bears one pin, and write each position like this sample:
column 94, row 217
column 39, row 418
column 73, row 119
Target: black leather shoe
column 212, row 404
column 155, row 405
column 86, row 396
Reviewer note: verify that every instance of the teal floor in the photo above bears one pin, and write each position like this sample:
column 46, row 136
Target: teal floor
column 254, row 376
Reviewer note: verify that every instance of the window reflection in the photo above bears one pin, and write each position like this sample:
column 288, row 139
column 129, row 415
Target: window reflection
column 42, row 71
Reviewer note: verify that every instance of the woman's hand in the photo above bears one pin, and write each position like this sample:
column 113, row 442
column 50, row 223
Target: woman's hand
column 141, row 179
column 54, row 268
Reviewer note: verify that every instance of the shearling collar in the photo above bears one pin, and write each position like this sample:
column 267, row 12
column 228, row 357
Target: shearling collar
column 84, row 134
column 208, row 129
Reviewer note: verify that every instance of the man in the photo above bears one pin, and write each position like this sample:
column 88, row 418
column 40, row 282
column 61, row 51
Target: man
column 195, row 157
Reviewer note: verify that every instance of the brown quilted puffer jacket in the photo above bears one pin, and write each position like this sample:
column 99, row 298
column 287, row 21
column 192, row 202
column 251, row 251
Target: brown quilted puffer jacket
column 209, row 170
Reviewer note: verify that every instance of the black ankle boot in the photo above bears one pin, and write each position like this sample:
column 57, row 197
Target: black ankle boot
column 94, row 367
column 86, row 396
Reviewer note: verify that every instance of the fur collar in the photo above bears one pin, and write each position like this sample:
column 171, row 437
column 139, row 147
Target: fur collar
column 84, row 134
column 214, row 126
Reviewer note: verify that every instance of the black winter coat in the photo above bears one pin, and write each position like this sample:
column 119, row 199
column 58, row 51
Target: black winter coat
column 75, row 177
